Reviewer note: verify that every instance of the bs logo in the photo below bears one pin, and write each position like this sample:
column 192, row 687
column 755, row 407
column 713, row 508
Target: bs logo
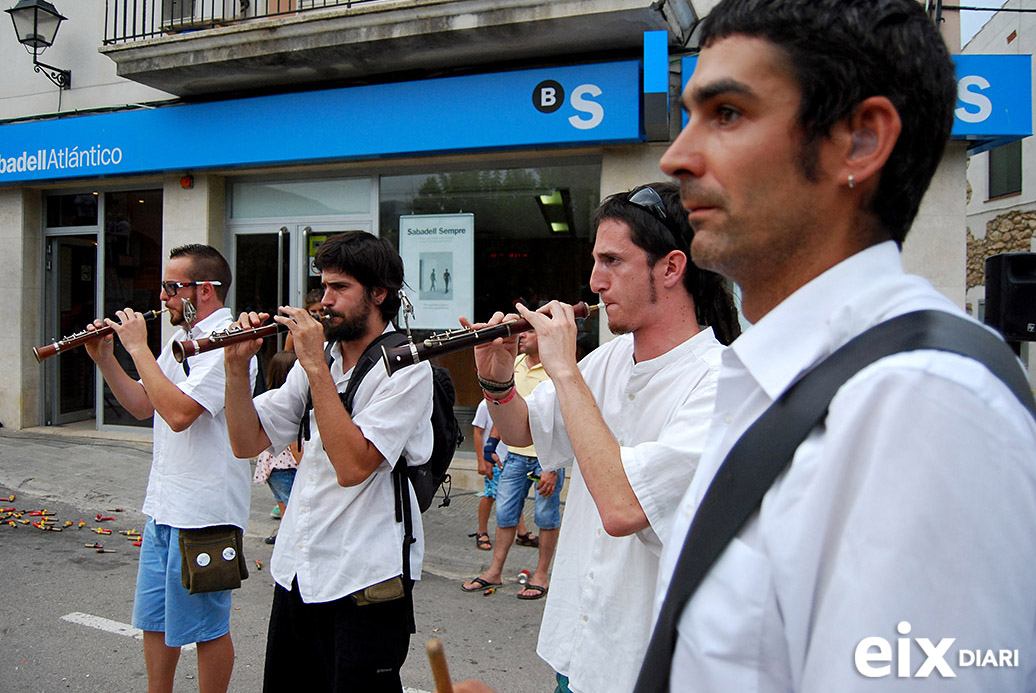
column 549, row 96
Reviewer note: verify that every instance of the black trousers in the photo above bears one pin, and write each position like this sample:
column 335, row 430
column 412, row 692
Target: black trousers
column 337, row 646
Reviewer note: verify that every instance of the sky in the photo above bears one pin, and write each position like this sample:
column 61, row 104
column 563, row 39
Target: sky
column 972, row 21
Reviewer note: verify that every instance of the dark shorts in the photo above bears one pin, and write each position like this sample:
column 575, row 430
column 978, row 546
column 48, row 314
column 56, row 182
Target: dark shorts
column 337, row 646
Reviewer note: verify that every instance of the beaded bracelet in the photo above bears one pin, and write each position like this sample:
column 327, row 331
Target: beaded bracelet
column 505, row 400
column 494, row 385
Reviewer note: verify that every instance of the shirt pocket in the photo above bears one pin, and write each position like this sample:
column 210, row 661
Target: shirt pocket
column 721, row 630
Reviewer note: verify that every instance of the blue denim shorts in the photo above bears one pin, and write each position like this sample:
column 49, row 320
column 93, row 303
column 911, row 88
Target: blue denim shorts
column 280, row 482
column 161, row 602
column 514, row 486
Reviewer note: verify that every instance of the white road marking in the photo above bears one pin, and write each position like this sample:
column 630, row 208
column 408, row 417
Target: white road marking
column 110, row 626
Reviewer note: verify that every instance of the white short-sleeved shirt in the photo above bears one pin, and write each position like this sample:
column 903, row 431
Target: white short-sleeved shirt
column 484, row 420
column 914, row 503
column 338, row 540
column 597, row 621
column 195, row 479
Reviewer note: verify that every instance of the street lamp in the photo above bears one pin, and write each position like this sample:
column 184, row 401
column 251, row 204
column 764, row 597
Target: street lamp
column 36, row 23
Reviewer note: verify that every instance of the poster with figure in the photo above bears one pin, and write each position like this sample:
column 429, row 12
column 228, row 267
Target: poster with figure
column 438, row 252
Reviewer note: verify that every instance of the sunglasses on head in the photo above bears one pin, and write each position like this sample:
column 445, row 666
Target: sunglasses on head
column 648, row 198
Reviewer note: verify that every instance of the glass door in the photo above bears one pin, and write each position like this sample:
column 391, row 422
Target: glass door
column 274, row 268
column 262, row 279
column 71, row 304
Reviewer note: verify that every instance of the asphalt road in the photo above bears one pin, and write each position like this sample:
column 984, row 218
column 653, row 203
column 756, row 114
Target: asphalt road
column 65, row 609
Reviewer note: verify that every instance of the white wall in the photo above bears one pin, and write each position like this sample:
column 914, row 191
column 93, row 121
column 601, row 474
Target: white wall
column 94, row 82
column 21, row 310
column 936, row 246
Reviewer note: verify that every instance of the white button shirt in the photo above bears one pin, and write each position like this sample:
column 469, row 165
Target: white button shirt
column 915, row 502
column 338, row 540
column 195, row 479
column 597, row 621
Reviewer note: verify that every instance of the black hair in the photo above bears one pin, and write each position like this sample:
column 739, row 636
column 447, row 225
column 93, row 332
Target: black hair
column 370, row 260
column 844, row 51
column 207, row 265
column 713, row 302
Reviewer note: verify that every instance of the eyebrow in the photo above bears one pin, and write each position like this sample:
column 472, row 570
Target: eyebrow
column 720, row 87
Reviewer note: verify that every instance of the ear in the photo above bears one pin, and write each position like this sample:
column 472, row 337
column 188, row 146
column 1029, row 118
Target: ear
column 378, row 295
column 674, row 264
column 866, row 141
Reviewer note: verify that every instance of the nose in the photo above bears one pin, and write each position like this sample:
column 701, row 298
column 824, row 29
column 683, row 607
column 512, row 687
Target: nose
column 684, row 158
column 597, row 284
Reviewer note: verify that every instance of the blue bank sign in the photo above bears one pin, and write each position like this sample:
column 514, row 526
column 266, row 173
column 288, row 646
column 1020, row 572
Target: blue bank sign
column 994, row 98
column 586, row 104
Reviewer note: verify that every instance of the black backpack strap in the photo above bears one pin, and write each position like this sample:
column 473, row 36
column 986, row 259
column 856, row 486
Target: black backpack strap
column 401, row 487
column 304, row 421
column 767, row 447
column 368, row 359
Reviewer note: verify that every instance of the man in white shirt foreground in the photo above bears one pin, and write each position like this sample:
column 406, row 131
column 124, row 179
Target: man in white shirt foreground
column 195, row 479
column 632, row 416
column 342, row 611
column 903, row 532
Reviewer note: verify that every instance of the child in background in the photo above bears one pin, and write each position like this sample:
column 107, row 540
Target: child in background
column 278, row 471
column 490, row 451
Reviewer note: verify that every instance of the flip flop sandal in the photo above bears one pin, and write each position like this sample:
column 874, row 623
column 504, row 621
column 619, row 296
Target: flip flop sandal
column 482, row 542
column 527, row 540
column 482, row 584
column 540, row 591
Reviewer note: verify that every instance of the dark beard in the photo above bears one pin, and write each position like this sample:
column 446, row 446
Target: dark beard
column 350, row 329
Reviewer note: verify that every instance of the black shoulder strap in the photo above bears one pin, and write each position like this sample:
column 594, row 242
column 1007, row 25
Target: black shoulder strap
column 370, row 356
column 766, row 448
column 304, row 421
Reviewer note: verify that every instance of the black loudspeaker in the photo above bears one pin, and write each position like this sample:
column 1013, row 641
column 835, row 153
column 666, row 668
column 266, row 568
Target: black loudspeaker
column 1011, row 295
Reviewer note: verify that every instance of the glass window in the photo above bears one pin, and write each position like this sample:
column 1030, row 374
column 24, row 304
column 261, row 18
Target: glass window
column 133, row 272
column 71, row 210
column 1005, row 169
column 533, row 239
column 267, row 199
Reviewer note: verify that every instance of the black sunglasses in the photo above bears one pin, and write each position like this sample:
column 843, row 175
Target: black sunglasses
column 648, row 198
column 171, row 288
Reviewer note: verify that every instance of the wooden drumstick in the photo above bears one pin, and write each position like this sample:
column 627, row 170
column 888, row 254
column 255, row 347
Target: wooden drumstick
column 440, row 672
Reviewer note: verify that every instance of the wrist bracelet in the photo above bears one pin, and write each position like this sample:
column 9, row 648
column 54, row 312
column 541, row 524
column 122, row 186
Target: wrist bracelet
column 494, row 385
column 505, row 400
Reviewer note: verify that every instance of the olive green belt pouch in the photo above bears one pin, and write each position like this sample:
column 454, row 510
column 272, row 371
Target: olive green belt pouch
column 212, row 559
column 384, row 591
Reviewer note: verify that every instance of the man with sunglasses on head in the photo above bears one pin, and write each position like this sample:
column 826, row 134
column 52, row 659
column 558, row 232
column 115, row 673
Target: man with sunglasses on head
column 195, row 479
column 632, row 416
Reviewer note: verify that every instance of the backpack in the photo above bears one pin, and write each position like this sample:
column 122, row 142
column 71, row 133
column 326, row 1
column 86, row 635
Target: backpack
column 426, row 478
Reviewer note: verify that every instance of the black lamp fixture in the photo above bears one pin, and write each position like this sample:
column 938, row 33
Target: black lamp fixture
column 36, row 22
